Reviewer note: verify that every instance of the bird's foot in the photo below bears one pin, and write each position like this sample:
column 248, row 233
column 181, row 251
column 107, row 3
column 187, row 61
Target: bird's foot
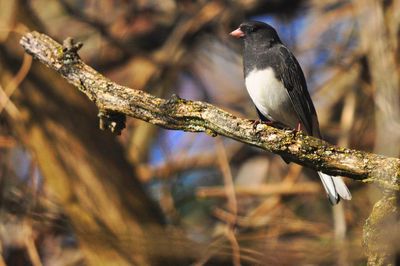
column 298, row 127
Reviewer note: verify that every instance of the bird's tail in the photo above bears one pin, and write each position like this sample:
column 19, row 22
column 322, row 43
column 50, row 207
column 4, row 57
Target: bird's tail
column 335, row 188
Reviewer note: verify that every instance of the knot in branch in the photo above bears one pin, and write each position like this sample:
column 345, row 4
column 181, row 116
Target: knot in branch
column 70, row 51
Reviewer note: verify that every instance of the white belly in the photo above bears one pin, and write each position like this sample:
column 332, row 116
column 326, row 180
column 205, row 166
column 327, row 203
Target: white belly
column 270, row 97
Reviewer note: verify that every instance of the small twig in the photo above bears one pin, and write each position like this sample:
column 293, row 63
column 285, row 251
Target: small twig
column 17, row 79
column 30, row 245
column 230, row 234
column 232, row 202
column 212, row 249
column 262, row 190
column 6, row 103
column 2, row 261
column 262, row 213
column 182, row 163
column 7, row 142
column 228, row 179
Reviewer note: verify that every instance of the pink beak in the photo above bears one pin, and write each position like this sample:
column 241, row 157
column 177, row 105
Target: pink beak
column 237, row 33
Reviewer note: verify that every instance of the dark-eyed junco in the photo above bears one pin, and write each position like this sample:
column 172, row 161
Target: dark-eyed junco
column 278, row 88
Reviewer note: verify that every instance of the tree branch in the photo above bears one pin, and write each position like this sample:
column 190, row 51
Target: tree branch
column 261, row 190
column 195, row 116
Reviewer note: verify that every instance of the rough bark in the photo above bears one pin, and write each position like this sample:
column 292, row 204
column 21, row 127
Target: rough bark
column 382, row 231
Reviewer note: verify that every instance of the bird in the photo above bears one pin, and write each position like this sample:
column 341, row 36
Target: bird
column 277, row 86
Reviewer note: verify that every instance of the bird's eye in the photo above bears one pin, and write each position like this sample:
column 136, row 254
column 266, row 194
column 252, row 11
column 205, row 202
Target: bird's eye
column 254, row 28
column 248, row 29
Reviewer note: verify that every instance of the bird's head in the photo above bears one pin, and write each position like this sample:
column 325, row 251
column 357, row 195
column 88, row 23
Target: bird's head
column 256, row 30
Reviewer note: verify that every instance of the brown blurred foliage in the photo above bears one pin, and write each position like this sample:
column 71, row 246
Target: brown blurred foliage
column 74, row 195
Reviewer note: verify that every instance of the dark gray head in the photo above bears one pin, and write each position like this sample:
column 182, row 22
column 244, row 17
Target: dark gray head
column 257, row 32
column 259, row 41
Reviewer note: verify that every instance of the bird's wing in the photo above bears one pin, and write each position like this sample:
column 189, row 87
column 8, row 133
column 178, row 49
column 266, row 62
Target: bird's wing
column 292, row 77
